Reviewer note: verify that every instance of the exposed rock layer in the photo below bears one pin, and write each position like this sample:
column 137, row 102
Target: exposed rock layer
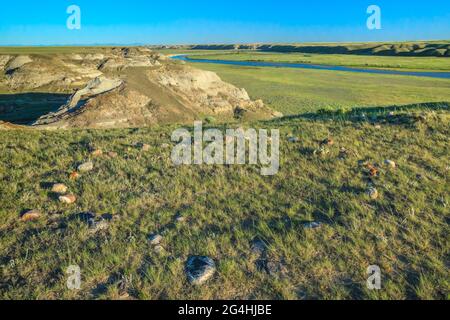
column 125, row 87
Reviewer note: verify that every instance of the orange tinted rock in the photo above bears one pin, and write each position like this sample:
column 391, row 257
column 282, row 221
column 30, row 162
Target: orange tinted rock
column 74, row 175
column 372, row 170
column 97, row 153
column 31, row 215
column 68, row 199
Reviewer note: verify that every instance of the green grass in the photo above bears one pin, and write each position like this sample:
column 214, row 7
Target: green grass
column 190, row 51
column 405, row 231
column 378, row 62
column 294, row 91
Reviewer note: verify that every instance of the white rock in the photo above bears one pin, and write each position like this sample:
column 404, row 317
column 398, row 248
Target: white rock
column 68, row 199
column 200, row 269
column 155, row 239
column 59, row 188
column 373, row 193
column 312, row 225
column 85, row 167
column 390, row 163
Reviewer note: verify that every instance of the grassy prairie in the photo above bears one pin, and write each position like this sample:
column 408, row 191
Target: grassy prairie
column 405, row 231
column 190, row 51
column 377, row 62
column 294, row 91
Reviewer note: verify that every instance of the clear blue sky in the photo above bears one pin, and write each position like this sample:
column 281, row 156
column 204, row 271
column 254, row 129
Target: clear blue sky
column 232, row 21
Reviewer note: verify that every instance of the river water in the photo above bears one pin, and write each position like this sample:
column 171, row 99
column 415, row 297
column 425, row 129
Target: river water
column 443, row 75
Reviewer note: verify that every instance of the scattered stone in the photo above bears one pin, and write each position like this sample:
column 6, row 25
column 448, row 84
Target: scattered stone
column 68, row 199
column 377, row 126
column 155, row 239
column 343, row 153
column 86, row 167
column 74, row 176
column 391, row 114
column 165, row 146
column 258, row 247
column 180, row 218
column 145, row 147
column 122, row 288
column 97, row 225
column 372, row 170
column 275, row 268
column 112, row 154
column 327, row 142
column 294, row 139
column 158, row 249
column 312, row 225
column 31, row 215
column 94, row 223
column 322, row 151
column 372, row 193
column 97, row 153
column 59, row 188
column 390, row 164
column 199, row 269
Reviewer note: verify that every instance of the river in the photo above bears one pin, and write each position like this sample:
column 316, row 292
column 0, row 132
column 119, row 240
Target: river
column 442, row 75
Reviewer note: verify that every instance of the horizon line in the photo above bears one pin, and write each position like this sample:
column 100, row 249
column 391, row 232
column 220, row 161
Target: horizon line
column 217, row 43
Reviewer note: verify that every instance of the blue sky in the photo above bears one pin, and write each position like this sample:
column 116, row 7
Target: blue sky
column 232, row 21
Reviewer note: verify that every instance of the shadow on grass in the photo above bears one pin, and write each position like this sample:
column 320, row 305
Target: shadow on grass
column 25, row 108
column 392, row 114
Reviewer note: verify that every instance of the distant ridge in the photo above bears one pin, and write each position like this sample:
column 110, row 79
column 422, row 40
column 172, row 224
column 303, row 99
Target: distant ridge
column 412, row 49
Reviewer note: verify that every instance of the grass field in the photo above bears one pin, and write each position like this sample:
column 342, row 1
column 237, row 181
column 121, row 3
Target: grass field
column 294, row 91
column 378, row 62
column 405, row 231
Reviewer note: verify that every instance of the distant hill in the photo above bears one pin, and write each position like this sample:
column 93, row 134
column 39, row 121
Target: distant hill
column 413, row 49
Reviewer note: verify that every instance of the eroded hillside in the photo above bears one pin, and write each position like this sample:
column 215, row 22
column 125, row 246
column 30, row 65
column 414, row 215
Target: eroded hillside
column 118, row 87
